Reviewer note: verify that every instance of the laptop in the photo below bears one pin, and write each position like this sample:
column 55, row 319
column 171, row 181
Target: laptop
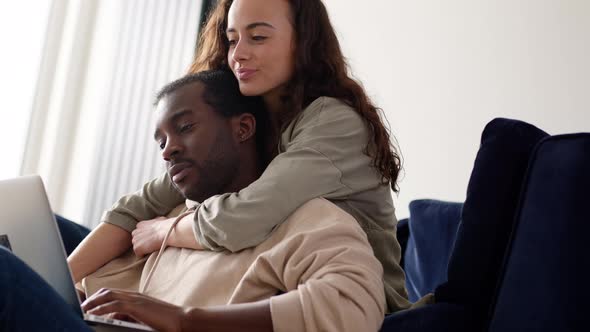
column 28, row 229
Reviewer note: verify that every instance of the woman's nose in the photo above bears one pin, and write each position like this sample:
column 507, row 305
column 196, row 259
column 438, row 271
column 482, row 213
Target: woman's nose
column 241, row 51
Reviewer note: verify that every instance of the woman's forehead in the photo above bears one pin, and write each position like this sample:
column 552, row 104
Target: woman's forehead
column 243, row 13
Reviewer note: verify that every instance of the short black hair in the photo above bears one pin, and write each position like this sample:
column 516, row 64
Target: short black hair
column 222, row 92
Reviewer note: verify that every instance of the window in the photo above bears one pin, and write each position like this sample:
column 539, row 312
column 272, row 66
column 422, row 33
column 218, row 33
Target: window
column 22, row 32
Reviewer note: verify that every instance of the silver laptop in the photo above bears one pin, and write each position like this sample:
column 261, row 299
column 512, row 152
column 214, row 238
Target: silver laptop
column 28, row 228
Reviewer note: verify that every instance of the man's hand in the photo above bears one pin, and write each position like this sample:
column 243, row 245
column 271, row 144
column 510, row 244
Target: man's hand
column 160, row 315
column 149, row 235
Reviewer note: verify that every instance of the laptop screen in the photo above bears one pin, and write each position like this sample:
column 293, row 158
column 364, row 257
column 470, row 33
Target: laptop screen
column 29, row 230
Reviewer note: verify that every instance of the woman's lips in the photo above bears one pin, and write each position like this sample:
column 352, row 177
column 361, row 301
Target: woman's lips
column 244, row 74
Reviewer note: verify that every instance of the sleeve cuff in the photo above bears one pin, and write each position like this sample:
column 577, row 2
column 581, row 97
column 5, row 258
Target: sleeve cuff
column 202, row 240
column 286, row 312
column 126, row 223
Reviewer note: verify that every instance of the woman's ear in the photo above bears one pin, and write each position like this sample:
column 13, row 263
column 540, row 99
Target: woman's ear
column 244, row 127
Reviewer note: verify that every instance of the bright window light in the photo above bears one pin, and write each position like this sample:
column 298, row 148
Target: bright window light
column 22, row 32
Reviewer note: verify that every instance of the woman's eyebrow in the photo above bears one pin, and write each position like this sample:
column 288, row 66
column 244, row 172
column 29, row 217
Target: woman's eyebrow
column 252, row 26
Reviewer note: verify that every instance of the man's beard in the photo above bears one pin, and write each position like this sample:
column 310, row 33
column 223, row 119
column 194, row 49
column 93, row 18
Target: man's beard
column 217, row 172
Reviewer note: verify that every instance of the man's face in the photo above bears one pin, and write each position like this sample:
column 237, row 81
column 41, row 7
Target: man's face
column 196, row 143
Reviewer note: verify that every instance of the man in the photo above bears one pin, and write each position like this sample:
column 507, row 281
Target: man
column 316, row 271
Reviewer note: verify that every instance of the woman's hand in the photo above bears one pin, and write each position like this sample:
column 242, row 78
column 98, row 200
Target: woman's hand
column 160, row 315
column 149, row 235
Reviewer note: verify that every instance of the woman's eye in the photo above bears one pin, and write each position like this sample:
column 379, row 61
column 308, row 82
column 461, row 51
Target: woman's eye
column 259, row 38
column 162, row 145
column 231, row 42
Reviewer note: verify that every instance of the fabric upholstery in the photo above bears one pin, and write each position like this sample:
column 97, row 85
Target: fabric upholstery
column 402, row 234
column 71, row 233
column 441, row 317
column 488, row 212
column 432, row 230
column 548, row 268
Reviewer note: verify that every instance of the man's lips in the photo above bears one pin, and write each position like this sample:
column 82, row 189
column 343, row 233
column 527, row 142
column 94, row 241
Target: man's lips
column 245, row 73
column 179, row 171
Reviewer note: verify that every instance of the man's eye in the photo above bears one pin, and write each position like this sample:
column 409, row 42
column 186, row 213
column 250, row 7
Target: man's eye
column 259, row 38
column 186, row 127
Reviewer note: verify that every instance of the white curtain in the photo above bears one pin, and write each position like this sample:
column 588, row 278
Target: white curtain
column 90, row 131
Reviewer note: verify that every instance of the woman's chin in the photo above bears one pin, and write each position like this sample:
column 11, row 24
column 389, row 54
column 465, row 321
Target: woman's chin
column 248, row 92
column 250, row 89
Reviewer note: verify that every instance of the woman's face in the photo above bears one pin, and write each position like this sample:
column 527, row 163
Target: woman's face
column 261, row 45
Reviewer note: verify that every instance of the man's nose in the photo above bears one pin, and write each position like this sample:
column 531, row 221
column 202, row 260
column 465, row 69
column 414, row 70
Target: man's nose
column 172, row 149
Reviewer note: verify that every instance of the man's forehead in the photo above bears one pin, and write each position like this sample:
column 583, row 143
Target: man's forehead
column 189, row 96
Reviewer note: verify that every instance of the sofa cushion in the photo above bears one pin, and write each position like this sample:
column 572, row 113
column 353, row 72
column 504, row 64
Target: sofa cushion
column 439, row 317
column 488, row 212
column 548, row 267
column 402, row 234
column 433, row 228
column 71, row 233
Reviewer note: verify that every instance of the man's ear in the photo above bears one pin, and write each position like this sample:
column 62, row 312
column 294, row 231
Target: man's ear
column 244, row 127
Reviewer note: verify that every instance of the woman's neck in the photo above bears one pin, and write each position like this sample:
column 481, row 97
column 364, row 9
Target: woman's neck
column 277, row 115
column 276, row 110
column 272, row 134
column 273, row 102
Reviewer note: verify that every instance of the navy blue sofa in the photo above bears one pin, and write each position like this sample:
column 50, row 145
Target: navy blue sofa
column 518, row 242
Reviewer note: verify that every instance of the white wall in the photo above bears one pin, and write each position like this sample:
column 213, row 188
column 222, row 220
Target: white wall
column 442, row 69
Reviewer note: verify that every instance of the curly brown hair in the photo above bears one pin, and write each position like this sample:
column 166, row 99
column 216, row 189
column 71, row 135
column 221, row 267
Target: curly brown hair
column 320, row 70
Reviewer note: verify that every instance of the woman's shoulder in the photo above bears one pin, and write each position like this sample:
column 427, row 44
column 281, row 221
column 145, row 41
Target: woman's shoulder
column 329, row 109
column 326, row 117
column 324, row 103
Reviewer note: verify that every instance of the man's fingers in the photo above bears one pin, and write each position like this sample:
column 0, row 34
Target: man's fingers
column 104, row 295
column 96, row 299
column 125, row 317
column 134, row 306
column 117, row 306
column 124, row 309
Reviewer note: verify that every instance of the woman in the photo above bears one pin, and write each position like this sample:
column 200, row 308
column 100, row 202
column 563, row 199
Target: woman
column 327, row 140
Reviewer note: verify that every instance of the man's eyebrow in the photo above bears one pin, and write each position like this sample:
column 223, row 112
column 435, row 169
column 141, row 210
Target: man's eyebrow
column 180, row 114
column 252, row 26
column 173, row 119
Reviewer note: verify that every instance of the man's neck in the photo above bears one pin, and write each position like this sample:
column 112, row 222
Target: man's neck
column 249, row 171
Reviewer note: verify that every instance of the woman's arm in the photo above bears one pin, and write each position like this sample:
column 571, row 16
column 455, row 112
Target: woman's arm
column 103, row 244
column 155, row 199
column 148, row 236
column 323, row 157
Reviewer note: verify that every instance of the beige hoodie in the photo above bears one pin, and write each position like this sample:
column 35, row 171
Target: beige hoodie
column 317, row 268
